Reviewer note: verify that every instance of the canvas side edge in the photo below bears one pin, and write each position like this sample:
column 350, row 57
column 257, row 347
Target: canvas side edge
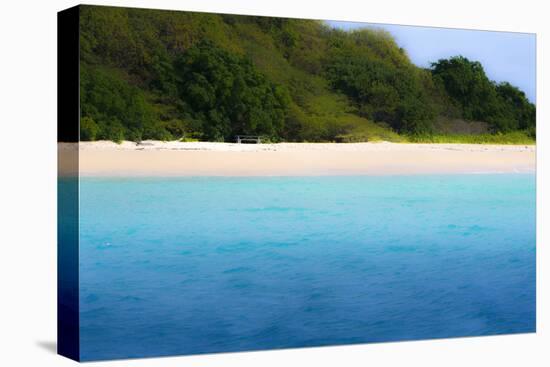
column 68, row 121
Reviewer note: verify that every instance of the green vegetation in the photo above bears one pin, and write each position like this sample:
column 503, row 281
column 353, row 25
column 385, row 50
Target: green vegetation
column 514, row 137
column 503, row 106
column 369, row 68
column 225, row 95
column 151, row 74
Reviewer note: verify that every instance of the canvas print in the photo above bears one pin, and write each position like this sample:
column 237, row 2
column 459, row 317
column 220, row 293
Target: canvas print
column 236, row 183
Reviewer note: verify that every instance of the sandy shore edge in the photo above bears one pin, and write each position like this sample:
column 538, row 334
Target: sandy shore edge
column 154, row 158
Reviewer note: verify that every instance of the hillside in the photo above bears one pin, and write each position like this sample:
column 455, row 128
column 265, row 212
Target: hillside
column 167, row 75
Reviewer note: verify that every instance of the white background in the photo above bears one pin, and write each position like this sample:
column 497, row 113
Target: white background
column 28, row 183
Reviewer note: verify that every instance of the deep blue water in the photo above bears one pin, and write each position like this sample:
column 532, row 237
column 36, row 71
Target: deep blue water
column 197, row 265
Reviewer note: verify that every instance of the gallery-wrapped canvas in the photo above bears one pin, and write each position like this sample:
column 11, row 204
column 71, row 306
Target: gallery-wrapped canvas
column 235, row 183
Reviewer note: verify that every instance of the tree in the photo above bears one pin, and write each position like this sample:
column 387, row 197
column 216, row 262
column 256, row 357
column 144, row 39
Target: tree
column 368, row 67
column 89, row 130
column 517, row 105
column 503, row 106
column 119, row 109
column 228, row 94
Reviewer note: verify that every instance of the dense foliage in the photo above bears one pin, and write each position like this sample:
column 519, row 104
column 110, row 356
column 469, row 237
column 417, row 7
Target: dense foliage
column 369, row 67
column 503, row 106
column 113, row 109
column 227, row 95
column 148, row 74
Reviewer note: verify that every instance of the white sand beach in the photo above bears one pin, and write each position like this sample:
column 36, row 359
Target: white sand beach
column 155, row 158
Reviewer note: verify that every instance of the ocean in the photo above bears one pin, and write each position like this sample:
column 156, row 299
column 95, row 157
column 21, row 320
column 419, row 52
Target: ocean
column 220, row 264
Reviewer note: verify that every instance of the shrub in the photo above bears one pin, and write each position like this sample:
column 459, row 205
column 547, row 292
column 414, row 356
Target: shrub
column 89, row 130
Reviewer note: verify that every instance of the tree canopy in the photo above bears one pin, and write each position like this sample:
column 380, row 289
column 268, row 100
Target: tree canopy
column 503, row 106
column 151, row 74
column 227, row 94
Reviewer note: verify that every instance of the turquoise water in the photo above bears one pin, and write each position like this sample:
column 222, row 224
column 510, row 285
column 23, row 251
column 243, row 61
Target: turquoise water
column 197, row 265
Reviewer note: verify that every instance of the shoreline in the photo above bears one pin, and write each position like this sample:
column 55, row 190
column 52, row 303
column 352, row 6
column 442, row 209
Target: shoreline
column 154, row 158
